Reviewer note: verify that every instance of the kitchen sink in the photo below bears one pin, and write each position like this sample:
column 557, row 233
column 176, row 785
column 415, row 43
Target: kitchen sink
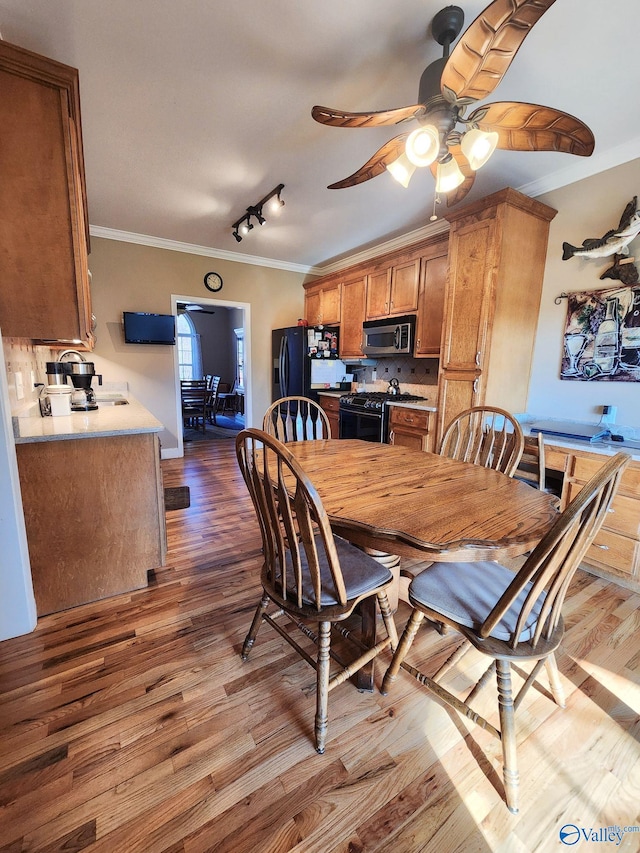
column 118, row 402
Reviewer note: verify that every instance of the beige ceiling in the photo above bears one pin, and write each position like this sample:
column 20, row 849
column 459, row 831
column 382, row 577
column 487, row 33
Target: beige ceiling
column 194, row 109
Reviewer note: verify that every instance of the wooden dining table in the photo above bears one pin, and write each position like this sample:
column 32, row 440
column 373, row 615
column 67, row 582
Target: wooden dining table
column 394, row 501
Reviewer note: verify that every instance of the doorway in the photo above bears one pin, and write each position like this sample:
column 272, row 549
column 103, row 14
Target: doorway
column 236, row 318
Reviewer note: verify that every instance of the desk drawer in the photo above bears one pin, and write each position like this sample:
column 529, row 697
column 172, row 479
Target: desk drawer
column 623, row 515
column 583, row 468
column 410, row 417
column 615, row 551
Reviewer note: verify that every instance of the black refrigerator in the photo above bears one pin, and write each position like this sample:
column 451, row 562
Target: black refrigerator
column 293, row 351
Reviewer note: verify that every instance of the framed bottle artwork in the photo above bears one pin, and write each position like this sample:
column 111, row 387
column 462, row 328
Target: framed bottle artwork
column 602, row 336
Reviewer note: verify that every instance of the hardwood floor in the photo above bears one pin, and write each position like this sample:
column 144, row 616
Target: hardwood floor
column 131, row 724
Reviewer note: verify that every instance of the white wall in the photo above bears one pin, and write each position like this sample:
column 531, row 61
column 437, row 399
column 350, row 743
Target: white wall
column 586, row 209
column 129, row 277
column 17, row 602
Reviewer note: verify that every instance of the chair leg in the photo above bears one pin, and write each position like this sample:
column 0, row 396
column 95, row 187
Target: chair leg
column 400, row 653
column 554, row 680
column 255, row 625
column 508, row 734
column 322, row 685
column 387, row 618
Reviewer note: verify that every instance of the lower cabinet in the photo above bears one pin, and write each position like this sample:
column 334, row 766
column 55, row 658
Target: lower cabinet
column 94, row 515
column 331, row 406
column 615, row 553
column 412, row 428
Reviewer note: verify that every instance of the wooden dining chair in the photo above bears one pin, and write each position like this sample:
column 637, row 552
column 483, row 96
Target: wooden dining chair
column 194, row 395
column 296, row 419
column 531, row 468
column 486, row 436
column 509, row 618
column 314, row 579
column 228, row 397
column 213, row 383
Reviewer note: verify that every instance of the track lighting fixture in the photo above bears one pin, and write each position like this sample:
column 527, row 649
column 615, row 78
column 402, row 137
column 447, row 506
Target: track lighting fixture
column 270, row 204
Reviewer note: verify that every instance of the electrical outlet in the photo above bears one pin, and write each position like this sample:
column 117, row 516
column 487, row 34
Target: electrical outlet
column 609, row 414
column 19, row 386
column 374, row 375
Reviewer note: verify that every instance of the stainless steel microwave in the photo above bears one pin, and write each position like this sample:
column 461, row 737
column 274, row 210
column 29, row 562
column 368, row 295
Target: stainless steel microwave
column 389, row 337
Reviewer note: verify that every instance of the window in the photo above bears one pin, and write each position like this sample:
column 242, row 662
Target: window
column 189, row 355
column 239, row 333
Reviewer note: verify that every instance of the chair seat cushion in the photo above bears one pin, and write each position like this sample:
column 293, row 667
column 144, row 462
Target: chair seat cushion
column 467, row 592
column 360, row 572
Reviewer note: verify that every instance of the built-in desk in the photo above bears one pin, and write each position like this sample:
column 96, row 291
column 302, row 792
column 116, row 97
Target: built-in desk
column 615, row 553
column 93, row 503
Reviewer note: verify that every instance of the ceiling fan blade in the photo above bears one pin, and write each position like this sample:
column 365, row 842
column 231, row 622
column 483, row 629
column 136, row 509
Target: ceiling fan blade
column 529, row 127
column 486, row 49
column 389, row 152
column 339, row 118
column 460, row 192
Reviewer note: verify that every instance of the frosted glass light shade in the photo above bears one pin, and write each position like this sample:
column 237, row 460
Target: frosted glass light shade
column 422, row 145
column 402, row 169
column 448, row 176
column 477, row 146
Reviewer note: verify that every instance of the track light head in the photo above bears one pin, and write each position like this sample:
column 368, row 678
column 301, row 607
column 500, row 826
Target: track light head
column 243, row 225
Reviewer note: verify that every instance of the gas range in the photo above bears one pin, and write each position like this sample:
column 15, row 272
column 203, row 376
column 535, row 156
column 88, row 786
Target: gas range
column 365, row 415
column 373, row 400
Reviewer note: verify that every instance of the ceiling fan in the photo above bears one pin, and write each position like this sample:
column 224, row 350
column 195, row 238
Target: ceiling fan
column 447, row 88
column 192, row 306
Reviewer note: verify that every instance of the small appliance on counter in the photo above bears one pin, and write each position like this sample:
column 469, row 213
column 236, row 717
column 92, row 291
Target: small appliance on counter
column 81, row 373
column 570, row 430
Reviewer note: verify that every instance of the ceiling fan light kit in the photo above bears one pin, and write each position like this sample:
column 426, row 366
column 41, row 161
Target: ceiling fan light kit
column 448, row 86
column 270, row 204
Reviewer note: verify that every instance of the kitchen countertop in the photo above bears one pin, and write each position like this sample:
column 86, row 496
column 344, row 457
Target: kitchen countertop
column 106, row 420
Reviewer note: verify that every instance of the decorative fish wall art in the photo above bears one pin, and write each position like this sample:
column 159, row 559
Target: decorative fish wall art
column 614, row 242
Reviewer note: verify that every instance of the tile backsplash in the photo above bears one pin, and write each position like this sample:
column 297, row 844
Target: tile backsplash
column 417, row 376
column 26, row 361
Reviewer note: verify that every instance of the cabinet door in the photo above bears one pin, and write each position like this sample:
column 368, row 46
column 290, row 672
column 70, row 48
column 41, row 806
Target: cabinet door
column 353, row 308
column 322, row 304
column 470, row 296
column 458, row 391
column 43, row 227
column 405, row 280
column 431, row 303
column 331, row 406
column 312, row 307
column 378, row 290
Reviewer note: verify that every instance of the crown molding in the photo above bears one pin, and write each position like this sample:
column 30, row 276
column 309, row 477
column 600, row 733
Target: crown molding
column 205, row 251
column 583, row 167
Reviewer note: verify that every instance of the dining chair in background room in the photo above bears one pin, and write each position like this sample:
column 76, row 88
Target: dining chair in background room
column 508, row 618
column 194, row 395
column 213, row 383
column 313, row 578
column 486, row 436
column 296, row 419
column 228, row 397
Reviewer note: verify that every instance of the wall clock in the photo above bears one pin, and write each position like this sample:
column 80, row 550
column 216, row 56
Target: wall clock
column 213, row 282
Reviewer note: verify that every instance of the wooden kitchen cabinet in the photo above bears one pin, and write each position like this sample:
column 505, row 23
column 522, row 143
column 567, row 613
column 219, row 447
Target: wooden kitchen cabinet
column 94, row 515
column 322, row 304
column 615, row 552
column 497, row 252
column 433, row 279
column 393, row 290
column 331, row 406
column 43, row 212
column 353, row 307
column 411, row 428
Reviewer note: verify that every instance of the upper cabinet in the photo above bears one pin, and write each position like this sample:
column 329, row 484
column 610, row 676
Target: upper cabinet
column 354, row 291
column 497, row 252
column 433, row 278
column 322, row 304
column 43, row 213
column 393, row 290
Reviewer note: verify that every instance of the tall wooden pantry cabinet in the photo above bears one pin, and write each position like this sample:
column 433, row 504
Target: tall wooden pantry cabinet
column 497, row 252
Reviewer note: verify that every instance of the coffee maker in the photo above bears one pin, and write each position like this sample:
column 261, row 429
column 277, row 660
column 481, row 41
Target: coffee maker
column 81, row 373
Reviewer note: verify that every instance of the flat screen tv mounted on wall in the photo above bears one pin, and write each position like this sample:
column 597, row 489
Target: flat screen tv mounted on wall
column 142, row 328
